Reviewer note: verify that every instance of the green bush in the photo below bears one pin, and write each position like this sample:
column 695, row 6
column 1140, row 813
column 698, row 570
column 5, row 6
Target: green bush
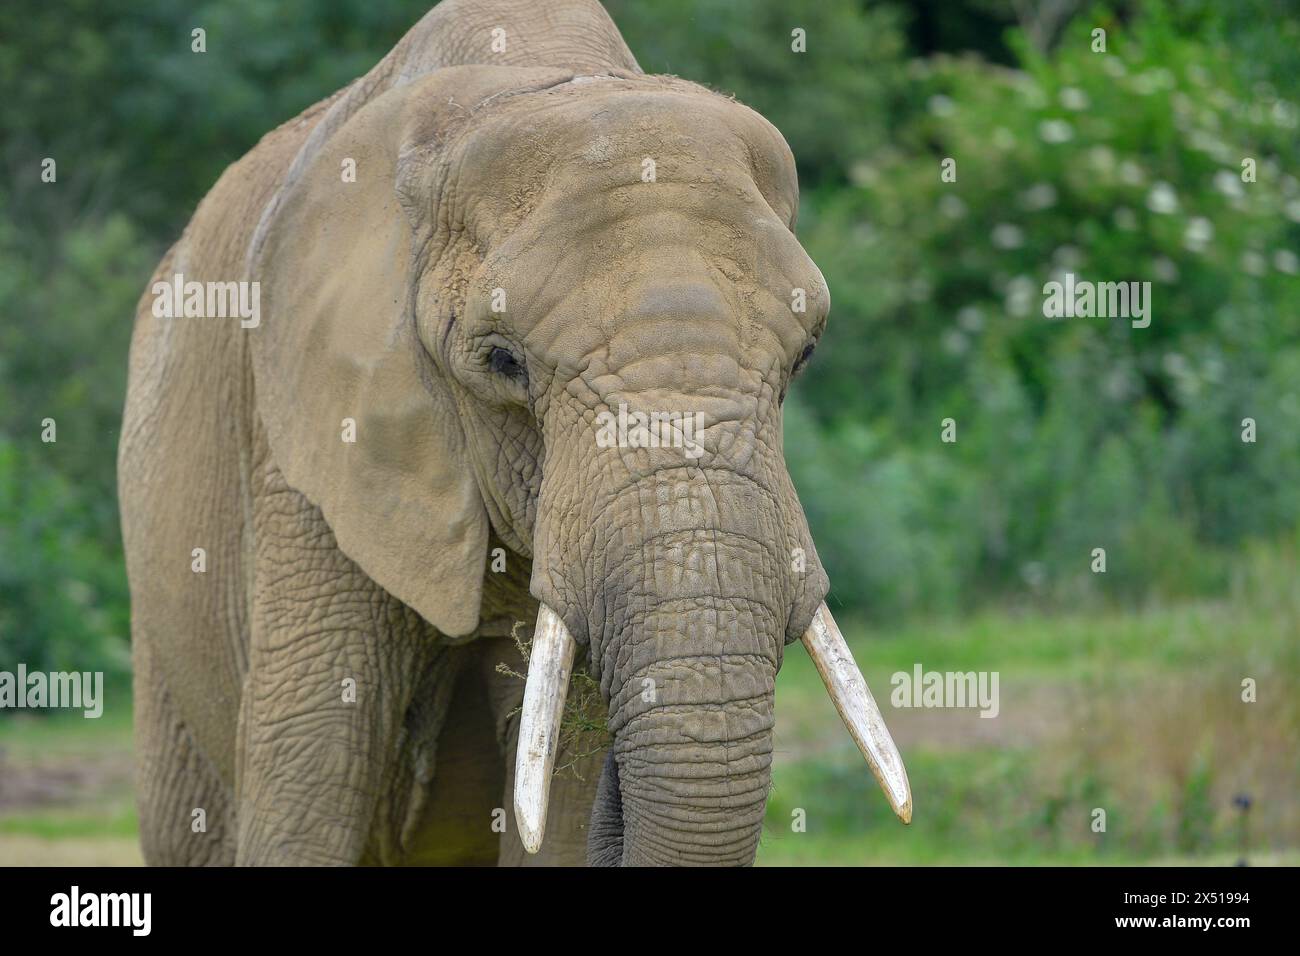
column 68, row 304
column 833, row 102
column 63, row 599
column 1071, row 433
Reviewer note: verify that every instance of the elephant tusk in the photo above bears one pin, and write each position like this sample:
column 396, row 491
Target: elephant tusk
column 549, row 667
column 848, row 689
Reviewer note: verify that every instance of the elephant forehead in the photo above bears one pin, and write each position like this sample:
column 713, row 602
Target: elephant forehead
column 669, row 210
column 604, row 141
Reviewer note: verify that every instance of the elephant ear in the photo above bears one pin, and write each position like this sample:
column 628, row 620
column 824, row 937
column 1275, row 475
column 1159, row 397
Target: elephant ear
column 358, row 416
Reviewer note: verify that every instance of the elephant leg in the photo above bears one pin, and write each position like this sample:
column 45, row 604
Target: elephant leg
column 573, row 789
column 334, row 663
column 184, row 806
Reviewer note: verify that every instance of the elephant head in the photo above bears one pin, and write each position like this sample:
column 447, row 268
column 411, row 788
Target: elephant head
column 566, row 309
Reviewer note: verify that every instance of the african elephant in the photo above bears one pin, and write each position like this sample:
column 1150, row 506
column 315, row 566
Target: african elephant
column 523, row 318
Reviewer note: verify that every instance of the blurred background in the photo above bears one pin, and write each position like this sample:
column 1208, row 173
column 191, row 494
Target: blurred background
column 1119, row 690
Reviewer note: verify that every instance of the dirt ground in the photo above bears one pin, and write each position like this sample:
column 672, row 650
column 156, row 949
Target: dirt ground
column 17, row 849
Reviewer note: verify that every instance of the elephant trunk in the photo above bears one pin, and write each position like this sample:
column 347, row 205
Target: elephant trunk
column 686, row 617
column 694, row 647
column 692, row 728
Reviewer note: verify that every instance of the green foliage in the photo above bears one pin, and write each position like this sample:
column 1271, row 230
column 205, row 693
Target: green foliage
column 1072, row 433
column 63, row 600
column 141, row 124
column 833, row 103
column 68, row 303
column 1196, row 809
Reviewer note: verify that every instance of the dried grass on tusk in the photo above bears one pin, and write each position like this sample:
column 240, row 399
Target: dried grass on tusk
column 549, row 666
column 848, row 689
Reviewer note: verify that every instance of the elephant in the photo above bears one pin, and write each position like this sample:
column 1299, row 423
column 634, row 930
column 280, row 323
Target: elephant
column 522, row 319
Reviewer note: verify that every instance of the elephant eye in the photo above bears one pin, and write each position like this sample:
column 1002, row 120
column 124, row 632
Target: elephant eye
column 799, row 363
column 503, row 362
column 803, row 358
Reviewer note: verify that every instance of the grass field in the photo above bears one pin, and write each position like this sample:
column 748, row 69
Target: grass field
column 65, row 790
column 1137, row 713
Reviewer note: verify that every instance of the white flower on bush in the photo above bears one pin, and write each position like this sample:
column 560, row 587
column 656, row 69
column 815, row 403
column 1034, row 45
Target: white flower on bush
column 954, row 342
column 1120, row 383
column 941, row 105
column 952, row 206
column 1210, row 145
column 1031, row 93
column 970, row 318
column 1073, row 98
column 1165, row 270
column 1292, row 209
column 1152, row 80
column 1175, row 365
column 1067, row 258
column 1005, row 235
column 1055, row 131
column 1162, row 198
column 1126, row 219
column 1131, row 173
column 1102, row 157
column 1284, row 260
column 1198, row 234
column 1178, row 368
column 1039, row 196
column 1229, row 184
column 1252, row 263
column 1022, row 294
column 863, row 174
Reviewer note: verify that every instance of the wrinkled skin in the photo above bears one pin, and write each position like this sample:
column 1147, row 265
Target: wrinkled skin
column 498, row 275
